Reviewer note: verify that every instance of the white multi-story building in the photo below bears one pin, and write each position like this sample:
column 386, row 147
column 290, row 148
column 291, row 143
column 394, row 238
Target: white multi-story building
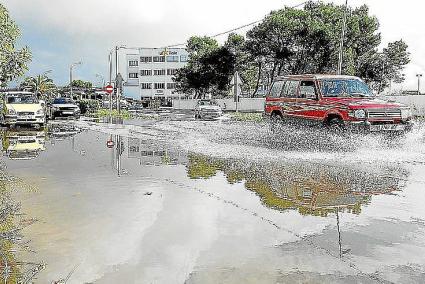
column 151, row 71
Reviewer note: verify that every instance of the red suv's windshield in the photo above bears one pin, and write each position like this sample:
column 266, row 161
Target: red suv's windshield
column 344, row 88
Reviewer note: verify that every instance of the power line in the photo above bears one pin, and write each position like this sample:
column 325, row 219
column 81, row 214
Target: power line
column 238, row 28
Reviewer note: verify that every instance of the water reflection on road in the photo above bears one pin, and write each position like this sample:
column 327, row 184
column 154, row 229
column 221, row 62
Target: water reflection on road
column 16, row 262
column 130, row 205
column 310, row 188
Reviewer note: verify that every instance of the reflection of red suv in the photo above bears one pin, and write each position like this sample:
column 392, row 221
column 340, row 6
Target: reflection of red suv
column 339, row 102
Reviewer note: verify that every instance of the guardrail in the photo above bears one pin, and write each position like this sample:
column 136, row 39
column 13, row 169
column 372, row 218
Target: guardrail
column 244, row 104
column 416, row 102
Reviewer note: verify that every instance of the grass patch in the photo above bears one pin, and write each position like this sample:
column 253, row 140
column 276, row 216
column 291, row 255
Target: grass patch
column 102, row 113
column 241, row 116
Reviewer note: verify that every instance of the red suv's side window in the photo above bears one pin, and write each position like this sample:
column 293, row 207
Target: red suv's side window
column 276, row 90
column 308, row 90
column 291, row 89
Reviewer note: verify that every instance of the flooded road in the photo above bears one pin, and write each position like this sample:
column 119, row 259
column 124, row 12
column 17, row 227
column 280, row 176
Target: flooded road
column 213, row 202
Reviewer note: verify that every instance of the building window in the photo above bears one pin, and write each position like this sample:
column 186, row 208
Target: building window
column 146, row 86
column 145, row 59
column 159, row 72
column 183, row 58
column 133, row 75
column 159, row 86
column 159, row 59
column 133, row 63
column 171, row 86
column 145, row 72
column 171, row 72
column 173, row 58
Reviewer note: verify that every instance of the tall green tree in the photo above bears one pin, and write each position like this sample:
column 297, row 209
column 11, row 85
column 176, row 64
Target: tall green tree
column 244, row 63
column 380, row 69
column 209, row 68
column 82, row 84
column 198, row 47
column 41, row 85
column 296, row 41
column 13, row 61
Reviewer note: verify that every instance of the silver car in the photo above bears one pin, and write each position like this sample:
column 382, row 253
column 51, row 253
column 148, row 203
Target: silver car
column 64, row 107
column 207, row 109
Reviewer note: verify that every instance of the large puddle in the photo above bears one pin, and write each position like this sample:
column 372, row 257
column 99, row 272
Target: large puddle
column 207, row 202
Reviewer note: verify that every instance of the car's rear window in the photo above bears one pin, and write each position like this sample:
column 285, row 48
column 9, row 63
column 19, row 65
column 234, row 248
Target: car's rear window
column 26, row 99
column 62, row 101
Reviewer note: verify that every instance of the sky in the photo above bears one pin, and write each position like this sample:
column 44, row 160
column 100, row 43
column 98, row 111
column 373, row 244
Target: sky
column 60, row 32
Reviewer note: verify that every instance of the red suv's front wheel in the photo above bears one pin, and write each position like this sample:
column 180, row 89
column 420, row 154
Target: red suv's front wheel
column 336, row 125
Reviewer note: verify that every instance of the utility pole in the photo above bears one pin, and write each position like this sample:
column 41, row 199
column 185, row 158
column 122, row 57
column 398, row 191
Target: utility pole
column 70, row 76
column 341, row 44
column 419, row 83
column 116, row 61
column 70, row 81
column 235, row 90
column 116, row 76
column 383, row 73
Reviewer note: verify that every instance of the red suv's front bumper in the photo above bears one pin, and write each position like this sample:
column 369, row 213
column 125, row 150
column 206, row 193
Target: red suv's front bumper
column 367, row 126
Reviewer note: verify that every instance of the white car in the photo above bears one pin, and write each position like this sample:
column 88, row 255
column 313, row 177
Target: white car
column 208, row 109
column 23, row 108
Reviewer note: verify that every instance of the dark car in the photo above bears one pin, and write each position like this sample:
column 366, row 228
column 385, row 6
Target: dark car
column 64, row 107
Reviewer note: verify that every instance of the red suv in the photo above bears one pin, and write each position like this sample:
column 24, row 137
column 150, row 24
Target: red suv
column 338, row 102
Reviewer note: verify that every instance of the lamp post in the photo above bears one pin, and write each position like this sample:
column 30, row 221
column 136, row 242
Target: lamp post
column 419, row 83
column 341, row 44
column 116, row 48
column 70, row 76
column 102, row 79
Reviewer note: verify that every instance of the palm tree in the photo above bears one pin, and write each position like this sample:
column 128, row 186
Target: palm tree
column 41, row 85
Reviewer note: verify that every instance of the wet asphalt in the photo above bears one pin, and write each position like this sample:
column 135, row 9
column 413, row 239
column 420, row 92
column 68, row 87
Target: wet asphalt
column 187, row 201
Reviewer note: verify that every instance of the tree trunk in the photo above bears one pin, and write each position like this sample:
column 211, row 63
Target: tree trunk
column 273, row 73
column 258, row 79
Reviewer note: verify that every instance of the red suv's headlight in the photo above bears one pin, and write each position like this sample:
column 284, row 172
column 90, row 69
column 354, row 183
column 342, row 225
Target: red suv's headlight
column 359, row 114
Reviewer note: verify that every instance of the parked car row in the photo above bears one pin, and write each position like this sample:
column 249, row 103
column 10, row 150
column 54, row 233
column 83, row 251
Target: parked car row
column 334, row 101
column 24, row 108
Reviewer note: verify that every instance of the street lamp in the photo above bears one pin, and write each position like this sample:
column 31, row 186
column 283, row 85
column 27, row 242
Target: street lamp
column 70, row 75
column 116, row 48
column 102, row 79
column 419, row 83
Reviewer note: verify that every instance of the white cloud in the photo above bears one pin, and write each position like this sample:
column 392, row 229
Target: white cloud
column 94, row 26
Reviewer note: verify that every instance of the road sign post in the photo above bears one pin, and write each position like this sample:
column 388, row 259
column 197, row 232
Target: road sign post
column 119, row 84
column 110, row 144
column 110, row 89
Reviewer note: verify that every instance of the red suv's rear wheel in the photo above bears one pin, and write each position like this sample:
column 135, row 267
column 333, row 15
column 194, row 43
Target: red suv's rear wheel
column 276, row 120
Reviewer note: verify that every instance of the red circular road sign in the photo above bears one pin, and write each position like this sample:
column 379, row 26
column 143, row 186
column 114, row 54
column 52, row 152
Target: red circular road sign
column 110, row 144
column 109, row 89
